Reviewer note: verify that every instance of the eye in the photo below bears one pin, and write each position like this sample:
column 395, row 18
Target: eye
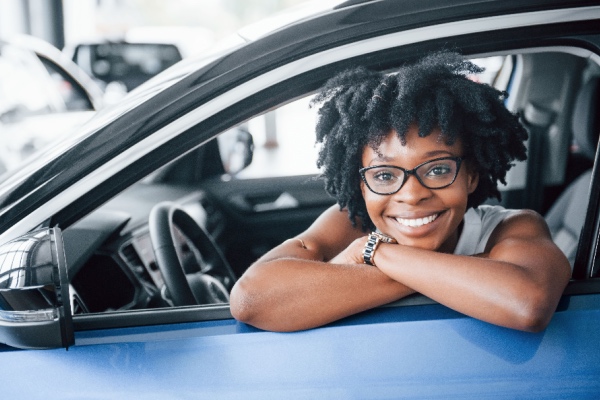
column 383, row 176
column 439, row 170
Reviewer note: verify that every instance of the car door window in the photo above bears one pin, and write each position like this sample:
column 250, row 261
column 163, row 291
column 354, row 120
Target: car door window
column 284, row 142
column 240, row 214
column 284, row 138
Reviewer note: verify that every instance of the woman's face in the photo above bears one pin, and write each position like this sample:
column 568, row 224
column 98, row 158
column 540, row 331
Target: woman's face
column 415, row 215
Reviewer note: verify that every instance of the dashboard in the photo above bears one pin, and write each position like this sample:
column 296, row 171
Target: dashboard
column 110, row 255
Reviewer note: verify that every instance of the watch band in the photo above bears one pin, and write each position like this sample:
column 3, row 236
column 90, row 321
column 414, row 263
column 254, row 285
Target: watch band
column 370, row 247
column 372, row 242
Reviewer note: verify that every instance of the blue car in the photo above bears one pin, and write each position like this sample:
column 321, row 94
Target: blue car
column 119, row 245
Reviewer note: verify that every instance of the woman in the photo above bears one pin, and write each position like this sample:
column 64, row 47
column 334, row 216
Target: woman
column 410, row 157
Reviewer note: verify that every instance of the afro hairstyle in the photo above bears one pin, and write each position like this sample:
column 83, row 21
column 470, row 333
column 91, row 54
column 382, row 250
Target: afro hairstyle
column 360, row 107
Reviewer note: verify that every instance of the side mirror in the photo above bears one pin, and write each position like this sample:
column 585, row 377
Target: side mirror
column 237, row 150
column 35, row 311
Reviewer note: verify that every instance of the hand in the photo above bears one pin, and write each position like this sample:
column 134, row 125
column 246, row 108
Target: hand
column 351, row 254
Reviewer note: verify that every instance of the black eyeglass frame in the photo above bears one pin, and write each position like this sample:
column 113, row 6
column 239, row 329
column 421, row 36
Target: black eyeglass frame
column 408, row 172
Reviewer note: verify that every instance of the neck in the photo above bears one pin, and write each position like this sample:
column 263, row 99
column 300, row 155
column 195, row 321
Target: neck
column 450, row 244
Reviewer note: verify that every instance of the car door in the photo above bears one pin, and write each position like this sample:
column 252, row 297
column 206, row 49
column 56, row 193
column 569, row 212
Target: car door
column 410, row 348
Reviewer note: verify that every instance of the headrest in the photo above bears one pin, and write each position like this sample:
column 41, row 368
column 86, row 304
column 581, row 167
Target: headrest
column 586, row 118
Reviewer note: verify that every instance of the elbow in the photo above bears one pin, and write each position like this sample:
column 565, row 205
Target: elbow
column 249, row 305
column 251, row 302
column 241, row 303
column 535, row 314
column 533, row 322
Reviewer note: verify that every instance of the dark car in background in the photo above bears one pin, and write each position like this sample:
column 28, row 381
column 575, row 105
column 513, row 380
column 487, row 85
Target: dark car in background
column 128, row 63
column 121, row 63
column 189, row 157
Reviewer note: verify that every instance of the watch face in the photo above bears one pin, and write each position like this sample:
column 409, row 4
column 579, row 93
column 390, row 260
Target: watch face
column 383, row 237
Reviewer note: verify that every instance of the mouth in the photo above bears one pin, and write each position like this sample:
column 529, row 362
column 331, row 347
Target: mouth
column 417, row 222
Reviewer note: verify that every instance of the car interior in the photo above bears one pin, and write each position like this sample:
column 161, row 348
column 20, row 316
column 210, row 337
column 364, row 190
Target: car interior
column 186, row 232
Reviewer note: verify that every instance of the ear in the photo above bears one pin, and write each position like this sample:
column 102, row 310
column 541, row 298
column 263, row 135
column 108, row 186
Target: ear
column 472, row 179
column 362, row 188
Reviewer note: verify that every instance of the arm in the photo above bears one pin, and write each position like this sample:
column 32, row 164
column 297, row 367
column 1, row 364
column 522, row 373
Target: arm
column 517, row 283
column 293, row 288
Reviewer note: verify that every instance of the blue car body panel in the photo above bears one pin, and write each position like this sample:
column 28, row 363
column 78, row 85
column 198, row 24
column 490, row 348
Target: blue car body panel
column 423, row 351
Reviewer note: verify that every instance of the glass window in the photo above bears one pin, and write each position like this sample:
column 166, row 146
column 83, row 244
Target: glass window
column 282, row 146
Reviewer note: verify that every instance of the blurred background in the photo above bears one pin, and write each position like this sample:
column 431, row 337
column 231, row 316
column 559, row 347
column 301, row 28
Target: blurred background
column 129, row 41
column 63, row 60
column 67, row 22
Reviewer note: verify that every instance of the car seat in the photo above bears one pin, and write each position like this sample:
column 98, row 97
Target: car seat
column 567, row 215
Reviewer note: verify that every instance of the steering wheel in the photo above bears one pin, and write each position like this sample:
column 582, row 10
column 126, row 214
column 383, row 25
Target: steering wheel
column 214, row 280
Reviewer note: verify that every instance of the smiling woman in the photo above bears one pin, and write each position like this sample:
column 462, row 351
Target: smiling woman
column 430, row 145
column 433, row 205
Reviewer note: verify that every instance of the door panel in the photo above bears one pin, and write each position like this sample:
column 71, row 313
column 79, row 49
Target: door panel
column 262, row 213
column 425, row 351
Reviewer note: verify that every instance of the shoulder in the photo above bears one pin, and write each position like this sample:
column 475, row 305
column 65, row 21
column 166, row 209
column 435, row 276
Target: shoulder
column 524, row 221
column 496, row 213
column 519, row 224
column 523, row 238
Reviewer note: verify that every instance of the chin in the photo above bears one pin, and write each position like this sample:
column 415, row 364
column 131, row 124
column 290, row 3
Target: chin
column 421, row 244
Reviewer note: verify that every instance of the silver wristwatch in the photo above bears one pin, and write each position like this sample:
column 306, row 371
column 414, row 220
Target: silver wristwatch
column 372, row 242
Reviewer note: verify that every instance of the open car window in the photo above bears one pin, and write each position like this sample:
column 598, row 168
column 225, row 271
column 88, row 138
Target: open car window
column 271, row 199
column 284, row 140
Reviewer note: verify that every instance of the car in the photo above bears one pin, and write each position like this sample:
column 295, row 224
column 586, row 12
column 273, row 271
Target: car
column 120, row 64
column 121, row 242
column 43, row 95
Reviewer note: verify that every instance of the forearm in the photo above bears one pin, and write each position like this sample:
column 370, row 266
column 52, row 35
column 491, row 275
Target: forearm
column 498, row 292
column 290, row 294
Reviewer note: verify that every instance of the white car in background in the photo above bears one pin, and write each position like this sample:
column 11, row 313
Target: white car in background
column 43, row 95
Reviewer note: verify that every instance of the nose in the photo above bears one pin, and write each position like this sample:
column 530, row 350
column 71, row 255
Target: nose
column 412, row 192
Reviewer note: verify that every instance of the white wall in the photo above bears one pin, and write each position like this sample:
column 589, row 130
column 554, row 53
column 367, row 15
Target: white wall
column 12, row 17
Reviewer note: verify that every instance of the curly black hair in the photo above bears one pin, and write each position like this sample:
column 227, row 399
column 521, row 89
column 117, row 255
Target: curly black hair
column 359, row 107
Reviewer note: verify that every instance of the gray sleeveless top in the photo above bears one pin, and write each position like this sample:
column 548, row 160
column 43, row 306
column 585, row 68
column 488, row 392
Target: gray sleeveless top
column 478, row 225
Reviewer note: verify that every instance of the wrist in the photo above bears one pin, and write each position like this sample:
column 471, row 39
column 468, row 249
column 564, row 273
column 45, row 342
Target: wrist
column 371, row 245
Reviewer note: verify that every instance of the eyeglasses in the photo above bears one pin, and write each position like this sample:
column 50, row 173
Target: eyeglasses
column 433, row 174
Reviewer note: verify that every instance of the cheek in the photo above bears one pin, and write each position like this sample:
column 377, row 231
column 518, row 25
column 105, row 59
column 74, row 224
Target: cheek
column 460, row 196
column 369, row 197
column 373, row 202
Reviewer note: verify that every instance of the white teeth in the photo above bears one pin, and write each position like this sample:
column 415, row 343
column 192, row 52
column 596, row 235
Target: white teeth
column 418, row 221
